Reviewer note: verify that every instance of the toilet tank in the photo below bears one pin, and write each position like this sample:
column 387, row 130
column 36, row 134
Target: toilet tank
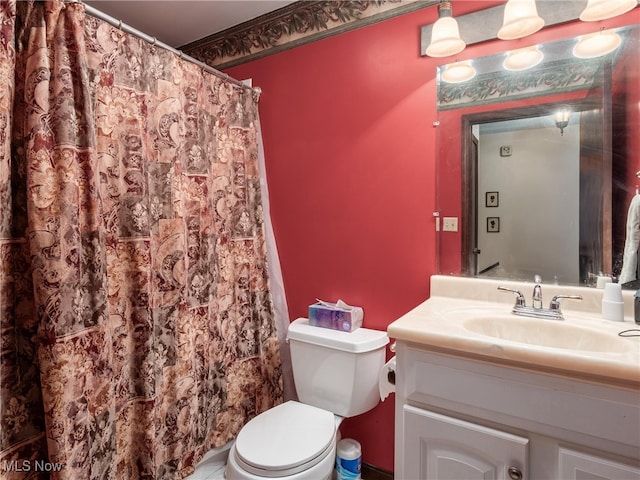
column 334, row 370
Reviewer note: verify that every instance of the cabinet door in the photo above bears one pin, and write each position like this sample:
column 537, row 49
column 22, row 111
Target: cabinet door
column 438, row 447
column 580, row 466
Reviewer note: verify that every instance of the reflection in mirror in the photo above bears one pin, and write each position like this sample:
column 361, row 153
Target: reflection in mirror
column 546, row 168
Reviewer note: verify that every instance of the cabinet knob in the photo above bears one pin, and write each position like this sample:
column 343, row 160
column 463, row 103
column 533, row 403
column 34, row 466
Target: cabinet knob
column 514, row 473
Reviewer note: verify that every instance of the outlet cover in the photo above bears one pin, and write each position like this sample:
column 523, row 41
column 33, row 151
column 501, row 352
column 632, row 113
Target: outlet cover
column 450, row 224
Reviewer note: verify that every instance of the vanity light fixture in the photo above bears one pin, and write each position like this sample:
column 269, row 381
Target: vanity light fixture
column 522, row 59
column 445, row 35
column 458, row 72
column 520, row 19
column 603, row 9
column 597, row 44
column 562, row 119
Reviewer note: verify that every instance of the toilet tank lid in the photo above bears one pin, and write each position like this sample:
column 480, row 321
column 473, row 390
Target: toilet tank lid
column 358, row 341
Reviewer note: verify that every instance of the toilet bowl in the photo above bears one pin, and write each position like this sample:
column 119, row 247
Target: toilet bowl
column 336, row 376
column 290, row 441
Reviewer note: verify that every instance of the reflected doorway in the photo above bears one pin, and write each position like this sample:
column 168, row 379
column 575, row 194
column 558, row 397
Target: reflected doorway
column 538, row 199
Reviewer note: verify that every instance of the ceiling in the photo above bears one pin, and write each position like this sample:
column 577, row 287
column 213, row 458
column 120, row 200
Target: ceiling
column 178, row 22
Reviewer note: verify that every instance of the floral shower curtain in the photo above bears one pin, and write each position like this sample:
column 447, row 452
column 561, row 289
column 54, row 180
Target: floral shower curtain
column 136, row 322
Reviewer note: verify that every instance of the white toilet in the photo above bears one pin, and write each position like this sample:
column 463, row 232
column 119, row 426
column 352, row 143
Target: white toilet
column 336, row 376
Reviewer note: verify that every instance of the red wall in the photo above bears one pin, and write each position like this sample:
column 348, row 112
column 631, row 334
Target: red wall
column 350, row 152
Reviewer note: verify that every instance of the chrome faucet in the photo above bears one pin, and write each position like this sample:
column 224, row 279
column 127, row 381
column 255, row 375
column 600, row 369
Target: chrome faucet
column 537, row 293
column 536, row 310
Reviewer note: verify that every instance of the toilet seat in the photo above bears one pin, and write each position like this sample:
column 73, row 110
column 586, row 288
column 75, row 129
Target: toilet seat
column 285, row 440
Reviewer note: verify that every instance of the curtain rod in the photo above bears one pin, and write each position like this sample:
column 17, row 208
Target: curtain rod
column 152, row 40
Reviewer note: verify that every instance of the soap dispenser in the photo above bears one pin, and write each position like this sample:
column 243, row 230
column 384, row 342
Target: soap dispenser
column 612, row 303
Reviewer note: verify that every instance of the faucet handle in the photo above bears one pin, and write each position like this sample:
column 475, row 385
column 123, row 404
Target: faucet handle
column 520, row 301
column 555, row 301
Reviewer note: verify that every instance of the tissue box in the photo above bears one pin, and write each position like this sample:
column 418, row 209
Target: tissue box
column 337, row 316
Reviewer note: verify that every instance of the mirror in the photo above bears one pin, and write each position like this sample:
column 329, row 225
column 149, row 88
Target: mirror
column 537, row 194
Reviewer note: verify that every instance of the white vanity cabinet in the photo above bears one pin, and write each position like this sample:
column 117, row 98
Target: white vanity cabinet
column 442, row 447
column 576, row 465
column 463, row 417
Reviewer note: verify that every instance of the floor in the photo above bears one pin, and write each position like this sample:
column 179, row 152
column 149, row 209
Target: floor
column 369, row 472
column 212, row 465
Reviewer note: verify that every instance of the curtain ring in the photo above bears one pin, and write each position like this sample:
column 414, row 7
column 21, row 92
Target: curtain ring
column 153, row 45
column 255, row 93
column 120, row 32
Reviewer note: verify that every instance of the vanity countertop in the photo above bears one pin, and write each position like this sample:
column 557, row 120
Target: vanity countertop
column 470, row 318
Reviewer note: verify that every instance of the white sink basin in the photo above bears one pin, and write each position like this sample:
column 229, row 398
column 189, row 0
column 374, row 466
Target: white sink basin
column 471, row 318
column 547, row 333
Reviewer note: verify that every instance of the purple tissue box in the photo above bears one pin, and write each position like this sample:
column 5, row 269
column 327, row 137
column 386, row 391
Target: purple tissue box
column 335, row 316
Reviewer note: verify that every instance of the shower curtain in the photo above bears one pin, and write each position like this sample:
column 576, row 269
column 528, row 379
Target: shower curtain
column 136, row 322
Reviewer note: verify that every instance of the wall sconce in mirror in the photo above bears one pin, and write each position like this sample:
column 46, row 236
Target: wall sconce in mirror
column 522, row 59
column 520, row 19
column 602, row 9
column 458, row 72
column 597, row 44
column 562, row 119
column 445, row 36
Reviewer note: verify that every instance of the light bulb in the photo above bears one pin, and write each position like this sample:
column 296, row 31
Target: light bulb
column 597, row 44
column 458, row 72
column 603, row 9
column 520, row 19
column 445, row 35
column 522, row 59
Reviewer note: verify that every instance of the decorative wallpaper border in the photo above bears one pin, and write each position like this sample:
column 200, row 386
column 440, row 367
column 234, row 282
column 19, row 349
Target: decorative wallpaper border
column 296, row 24
column 562, row 73
column 555, row 77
